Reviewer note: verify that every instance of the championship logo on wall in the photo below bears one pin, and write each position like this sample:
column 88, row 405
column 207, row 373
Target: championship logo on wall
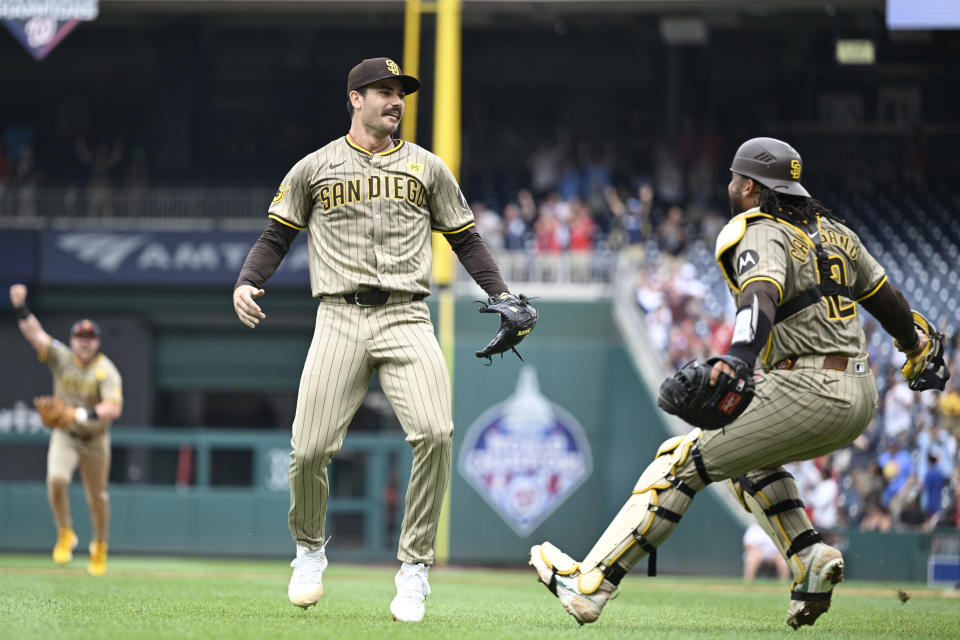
column 525, row 456
column 40, row 25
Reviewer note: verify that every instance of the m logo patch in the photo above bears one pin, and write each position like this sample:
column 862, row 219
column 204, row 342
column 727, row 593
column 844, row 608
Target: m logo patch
column 746, row 261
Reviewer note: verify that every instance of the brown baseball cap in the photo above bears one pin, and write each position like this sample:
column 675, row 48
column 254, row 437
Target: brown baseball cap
column 373, row 69
column 85, row 328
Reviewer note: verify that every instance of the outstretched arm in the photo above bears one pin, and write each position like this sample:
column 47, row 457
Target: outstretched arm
column 261, row 263
column 475, row 256
column 30, row 327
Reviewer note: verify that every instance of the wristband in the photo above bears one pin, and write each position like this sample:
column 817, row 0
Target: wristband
column 85, row 415
column 23, row 312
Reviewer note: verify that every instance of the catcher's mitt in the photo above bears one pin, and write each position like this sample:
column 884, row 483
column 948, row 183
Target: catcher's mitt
column 54, row 412
column 517, row 319
column 926, row 369
column 687, row 394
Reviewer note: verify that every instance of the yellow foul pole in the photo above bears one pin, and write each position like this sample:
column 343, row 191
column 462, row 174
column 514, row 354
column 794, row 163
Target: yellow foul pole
column 446, row 144
column 411, row 66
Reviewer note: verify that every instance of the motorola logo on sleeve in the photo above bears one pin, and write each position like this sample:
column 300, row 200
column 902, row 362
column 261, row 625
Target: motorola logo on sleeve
column 746, row 261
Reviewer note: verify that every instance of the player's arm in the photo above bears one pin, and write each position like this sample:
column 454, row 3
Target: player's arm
column 262, row 261
column 29, row 325
column 752, row 327
column 90, row 422
column 888, row 305
column 474, row 254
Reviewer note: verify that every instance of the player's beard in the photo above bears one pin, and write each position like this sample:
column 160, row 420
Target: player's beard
column 380, row 124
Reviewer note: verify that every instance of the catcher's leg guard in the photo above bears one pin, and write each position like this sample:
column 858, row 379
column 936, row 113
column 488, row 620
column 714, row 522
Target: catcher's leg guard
column 660, row 497
column 772, row 497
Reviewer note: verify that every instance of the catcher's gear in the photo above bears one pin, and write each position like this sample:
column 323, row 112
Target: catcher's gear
column 54, row 412
column 687, row 394
column 517, row 319
column 926, row 369
column 771, row 162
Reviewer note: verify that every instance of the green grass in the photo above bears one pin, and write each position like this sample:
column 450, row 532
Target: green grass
column 239, row 599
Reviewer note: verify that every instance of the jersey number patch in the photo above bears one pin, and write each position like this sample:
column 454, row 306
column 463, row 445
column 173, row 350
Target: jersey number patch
column 837, row 307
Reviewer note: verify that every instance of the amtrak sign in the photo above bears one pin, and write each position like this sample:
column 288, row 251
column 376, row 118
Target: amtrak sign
column 525, row 456
column 211, row 258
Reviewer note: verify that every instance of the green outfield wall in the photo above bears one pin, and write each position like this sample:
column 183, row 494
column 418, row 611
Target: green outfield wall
column 576, row 356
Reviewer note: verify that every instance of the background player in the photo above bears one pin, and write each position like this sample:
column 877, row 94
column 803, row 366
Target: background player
column 369, row 203
column 89, row 385
column 796, row 274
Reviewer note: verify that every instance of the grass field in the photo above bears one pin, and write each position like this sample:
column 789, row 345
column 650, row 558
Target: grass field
column 150, row 597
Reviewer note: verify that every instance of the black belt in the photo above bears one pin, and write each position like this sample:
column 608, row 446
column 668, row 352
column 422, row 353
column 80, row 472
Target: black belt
column 835, row 361
column 376, row 297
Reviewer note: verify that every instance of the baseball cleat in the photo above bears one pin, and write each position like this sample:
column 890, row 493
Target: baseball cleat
column 66, row 543
column 306, row 585
column 810, row 597
column 98, row 558
column 412, row 591
column 561, row 575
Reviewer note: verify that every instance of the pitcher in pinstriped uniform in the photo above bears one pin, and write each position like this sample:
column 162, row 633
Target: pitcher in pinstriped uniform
column 368, row 203
column 796, row 273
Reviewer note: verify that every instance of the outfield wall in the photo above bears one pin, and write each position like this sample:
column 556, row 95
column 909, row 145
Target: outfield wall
column 577, row 357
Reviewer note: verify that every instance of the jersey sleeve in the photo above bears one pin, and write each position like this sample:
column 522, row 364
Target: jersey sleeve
column 760, row 256
column 111, row 385
column 293, row 201
column 56, row 356
column 449, row 211
column 869, row 274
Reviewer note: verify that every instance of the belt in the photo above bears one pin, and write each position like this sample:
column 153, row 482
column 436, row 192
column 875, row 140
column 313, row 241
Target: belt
column 836, row 362
column 374, row 297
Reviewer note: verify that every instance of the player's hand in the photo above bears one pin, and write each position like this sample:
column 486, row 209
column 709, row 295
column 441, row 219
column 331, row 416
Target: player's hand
column 921, row 343
column 18, row 295
column 720, row 367
column 247, row 310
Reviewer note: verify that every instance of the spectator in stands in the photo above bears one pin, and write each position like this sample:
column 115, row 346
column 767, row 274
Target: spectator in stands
column 489, row 225
column 515, row 228
column 898, row 402
column 25, row 177
column 582, row 227
column 672, row 233
column 934, row 484
column 823, row 501
column 100, row 162
column 3, row 174
column 544, row 165
column 897, row 468
column 759, row 551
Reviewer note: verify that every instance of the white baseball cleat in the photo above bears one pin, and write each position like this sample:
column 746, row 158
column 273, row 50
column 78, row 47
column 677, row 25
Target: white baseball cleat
column 305, row 583
column 412, row 590
column 561, row 575
column 810, row 597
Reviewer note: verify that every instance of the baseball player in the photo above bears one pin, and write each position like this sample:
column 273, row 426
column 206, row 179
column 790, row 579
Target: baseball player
column 368, row 202
column 796, row 274
column 87, row 398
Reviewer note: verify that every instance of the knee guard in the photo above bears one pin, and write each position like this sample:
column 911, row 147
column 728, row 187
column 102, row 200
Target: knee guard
column 659, row 500
column 772, row 497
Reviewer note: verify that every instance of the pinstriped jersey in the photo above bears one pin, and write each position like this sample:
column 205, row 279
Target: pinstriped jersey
column 756, row 246
column 369, row 215
column 82, row 385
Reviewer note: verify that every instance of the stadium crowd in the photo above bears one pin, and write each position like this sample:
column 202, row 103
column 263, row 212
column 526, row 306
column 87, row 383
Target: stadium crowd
column 667, row 207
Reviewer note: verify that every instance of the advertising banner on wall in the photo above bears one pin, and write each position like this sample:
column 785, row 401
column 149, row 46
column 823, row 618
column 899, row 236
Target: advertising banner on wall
column 159, row 258
column 40, row 25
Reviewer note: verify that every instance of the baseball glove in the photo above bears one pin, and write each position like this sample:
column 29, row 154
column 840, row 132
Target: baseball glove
column 926, row 369
column 54, row 412
column 517, row 319
column 687, row 394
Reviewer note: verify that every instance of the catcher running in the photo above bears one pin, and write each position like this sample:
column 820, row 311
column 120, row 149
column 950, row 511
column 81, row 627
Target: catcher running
column 368, row 203
column 87, row 398
column 796, row 273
